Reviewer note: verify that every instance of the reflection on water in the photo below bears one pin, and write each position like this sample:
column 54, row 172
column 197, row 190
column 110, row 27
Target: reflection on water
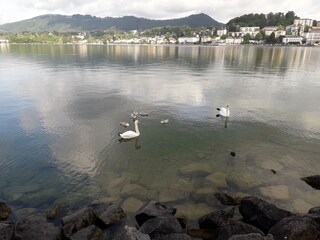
column 60, row 108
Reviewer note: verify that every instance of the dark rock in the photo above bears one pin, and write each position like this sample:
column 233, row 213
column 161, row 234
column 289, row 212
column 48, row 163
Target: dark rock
column 152, row 210
column 295, row 228
column 161, row 226
column 108, row 214
column 234, row 227
column 232, row 154
column 251, row 236
column 6, row 231
column 54, row 212
column 174, row 236
column 314, row 210
column 4, row 211
column 77, row 221
column 131, row 233
column 273, row 171
column 260, row 213
column 183, row 221
column 216, row 219
column 36, row 227
column 313, row 181
column 227, row 198
column 89, row 233
column 203, row 233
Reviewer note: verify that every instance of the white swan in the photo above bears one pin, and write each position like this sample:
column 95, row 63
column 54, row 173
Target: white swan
column 164, row 121
column 124, row 124
column 131, row 134
column 225, row 112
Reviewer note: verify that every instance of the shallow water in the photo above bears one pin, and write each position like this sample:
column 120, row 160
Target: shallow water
column 60, row 108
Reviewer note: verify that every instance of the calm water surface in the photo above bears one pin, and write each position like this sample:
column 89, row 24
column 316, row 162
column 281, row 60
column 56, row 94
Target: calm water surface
column 60, row 108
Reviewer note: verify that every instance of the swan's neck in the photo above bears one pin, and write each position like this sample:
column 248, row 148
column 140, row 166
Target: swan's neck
column 136, row 127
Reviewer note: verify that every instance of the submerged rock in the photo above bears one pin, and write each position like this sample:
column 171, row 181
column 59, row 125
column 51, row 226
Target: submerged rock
column 196, row 169
column 54, row 212
column 275, row 192
column 36, row 227
column 174, row 236
column 5, row 211
column 251, row 236
column 132, row 205
column 227, row 198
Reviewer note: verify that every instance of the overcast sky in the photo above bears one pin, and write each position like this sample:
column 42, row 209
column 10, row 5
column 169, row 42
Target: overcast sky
column 220, row 10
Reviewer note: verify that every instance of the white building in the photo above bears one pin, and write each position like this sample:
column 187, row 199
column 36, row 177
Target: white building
column 221, row 32
column 303, row 22
column 313, row 36
column 234, row 41
column 269, row 29
column 188, row 40
column 249, row 30
column 289, row 39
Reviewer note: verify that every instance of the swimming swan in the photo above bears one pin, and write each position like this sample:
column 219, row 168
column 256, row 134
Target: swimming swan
column 131, row 134
column 124, row 124
column 164, row 121
column 225, row 112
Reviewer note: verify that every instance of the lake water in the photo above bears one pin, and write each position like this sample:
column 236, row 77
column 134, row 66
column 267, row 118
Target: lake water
column 60, row 108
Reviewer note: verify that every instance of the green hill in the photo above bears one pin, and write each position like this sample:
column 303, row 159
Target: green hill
column 87, row 23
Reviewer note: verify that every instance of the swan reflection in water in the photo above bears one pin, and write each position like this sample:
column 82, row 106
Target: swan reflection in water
column 136, row 142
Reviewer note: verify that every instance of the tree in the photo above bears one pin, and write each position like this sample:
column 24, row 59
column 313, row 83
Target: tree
column 258, row 36
column 271, row 39
column 246, row 38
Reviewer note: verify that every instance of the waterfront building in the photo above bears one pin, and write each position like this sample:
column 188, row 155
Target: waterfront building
column 249, row 30
column 290, row 39
column 188, row 40
column 221, row 32
column 234, row 41
column 313, row 36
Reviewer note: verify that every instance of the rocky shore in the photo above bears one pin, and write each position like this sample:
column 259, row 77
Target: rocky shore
column 249, row 218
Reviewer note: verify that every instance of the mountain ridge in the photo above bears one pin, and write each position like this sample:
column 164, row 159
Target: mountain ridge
column 87, row 23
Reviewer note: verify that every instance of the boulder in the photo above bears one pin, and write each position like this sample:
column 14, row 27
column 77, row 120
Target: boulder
column 161, row 226
column 314, row 210
column 89, row 233
column 36, row 227
column 152, row 210
column 77, row 221
column 313, row 181
column 295, row 228
column 6, row 230
column 216, row 219
column 234, row 227
column 131, row 233
column 174, row 236
column 108, row 213
column 260, row 213
column 4, row 211
column 227, row 198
